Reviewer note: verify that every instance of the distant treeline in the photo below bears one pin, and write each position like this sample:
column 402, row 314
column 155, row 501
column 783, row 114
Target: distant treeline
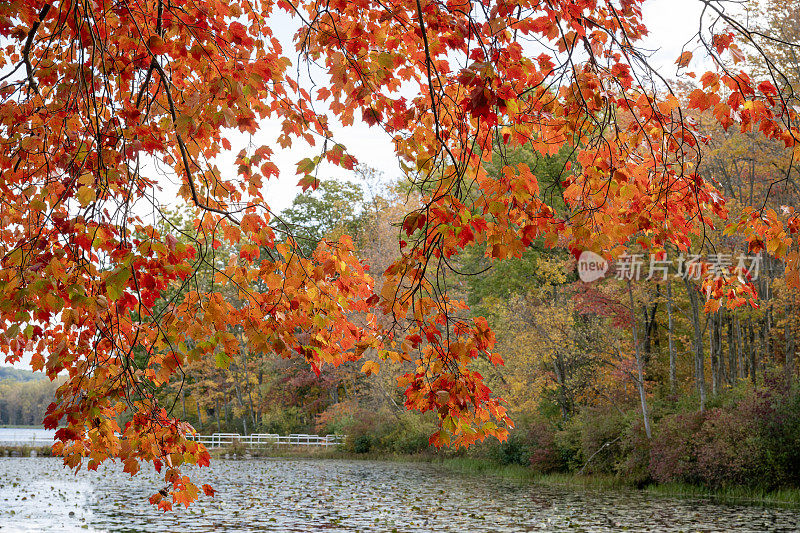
column 16, row 374
column 23, row 403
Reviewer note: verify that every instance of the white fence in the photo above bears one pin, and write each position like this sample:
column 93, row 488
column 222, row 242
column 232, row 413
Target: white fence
column 216, row 440
column 255, row 440
column 23, row 437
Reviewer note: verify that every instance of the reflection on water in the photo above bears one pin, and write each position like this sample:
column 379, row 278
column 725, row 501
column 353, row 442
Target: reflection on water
column 332, row 496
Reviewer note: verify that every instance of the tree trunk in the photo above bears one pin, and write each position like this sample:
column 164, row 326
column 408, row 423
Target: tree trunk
column 672, row 362
column 716, row 321
column 699, row 363
column 639, row 367
column 333, row 392
column 199, row 413
column 732, row 369
column 241, row 403
column 252, row 407
column 753, row 358
column 712, row 350
column 763, row 352
column 216, row 414
column 650, row 331
column 789, row 359
column 183, row 399
column 247, row 383
column 562, row 395
column 739, row 351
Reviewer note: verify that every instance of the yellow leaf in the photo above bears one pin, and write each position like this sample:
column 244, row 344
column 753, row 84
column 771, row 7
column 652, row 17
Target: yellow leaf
column 86, row 195
column 370, row 367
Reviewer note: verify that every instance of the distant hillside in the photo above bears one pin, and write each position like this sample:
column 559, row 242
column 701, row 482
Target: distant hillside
column 16, row 374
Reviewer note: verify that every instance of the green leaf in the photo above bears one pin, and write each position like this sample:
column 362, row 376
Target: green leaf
column 184, row 125
column 306, row 166
column 308, row 182
column 115, row 283
column 222, row 360
column 13, row 331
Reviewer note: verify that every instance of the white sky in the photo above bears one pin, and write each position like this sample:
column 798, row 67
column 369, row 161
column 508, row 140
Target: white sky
column 671, row 22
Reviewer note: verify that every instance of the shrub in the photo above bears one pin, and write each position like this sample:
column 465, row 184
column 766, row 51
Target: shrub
column 672, row 450
column 567, row 441
column 634, row 465
column 727, row 449
column 513, row 451
column 753, row 441
column 362, row 443
column 545, row 456
column 283, row 421
column 408, row 433
column 601, row 430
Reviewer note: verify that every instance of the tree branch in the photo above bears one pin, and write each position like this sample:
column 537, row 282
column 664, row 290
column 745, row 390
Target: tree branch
column 26, row 51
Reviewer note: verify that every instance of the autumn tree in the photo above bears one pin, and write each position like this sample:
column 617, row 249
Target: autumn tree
column 102, row 105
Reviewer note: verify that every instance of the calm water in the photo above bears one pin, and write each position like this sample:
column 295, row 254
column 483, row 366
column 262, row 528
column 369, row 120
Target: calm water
column 37, row 494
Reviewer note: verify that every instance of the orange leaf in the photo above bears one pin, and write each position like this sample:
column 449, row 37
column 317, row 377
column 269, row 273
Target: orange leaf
column 370, row 367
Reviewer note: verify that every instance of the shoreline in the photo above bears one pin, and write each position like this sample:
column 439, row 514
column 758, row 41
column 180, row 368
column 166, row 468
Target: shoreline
column 786, row 497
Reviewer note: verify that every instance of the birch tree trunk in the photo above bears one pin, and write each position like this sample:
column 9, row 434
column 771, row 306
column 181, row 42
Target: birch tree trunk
column 753, row 355
column 712, row 350
column 732, row 368
column 639, row 367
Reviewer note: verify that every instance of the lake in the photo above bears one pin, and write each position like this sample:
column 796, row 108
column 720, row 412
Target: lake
column 38, row 494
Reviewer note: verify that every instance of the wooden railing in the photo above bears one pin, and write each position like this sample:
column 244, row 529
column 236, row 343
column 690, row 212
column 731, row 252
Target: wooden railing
column 255, row 440
column 216, row 440
column 25, row 439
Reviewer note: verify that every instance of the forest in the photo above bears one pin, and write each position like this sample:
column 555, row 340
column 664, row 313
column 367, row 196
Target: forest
column 24, row 403
column 455, row 308
column 626, row 375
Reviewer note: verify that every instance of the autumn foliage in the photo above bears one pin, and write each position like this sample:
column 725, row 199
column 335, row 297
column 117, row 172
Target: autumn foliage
column 102, row 104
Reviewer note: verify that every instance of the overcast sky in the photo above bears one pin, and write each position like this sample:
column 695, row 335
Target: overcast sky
column 671, row 23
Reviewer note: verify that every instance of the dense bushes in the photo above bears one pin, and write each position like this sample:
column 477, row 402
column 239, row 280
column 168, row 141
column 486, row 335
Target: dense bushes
column 672, row 454
column 751, row 437
column 753, row 442
column 545, row 457
column 382, row 432
column 513, row 451
column 747, row 436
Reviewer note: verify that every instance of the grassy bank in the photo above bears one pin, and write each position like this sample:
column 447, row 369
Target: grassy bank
column 483, row 467
column 24, row 451
column 486, row 467
column 787, row 497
